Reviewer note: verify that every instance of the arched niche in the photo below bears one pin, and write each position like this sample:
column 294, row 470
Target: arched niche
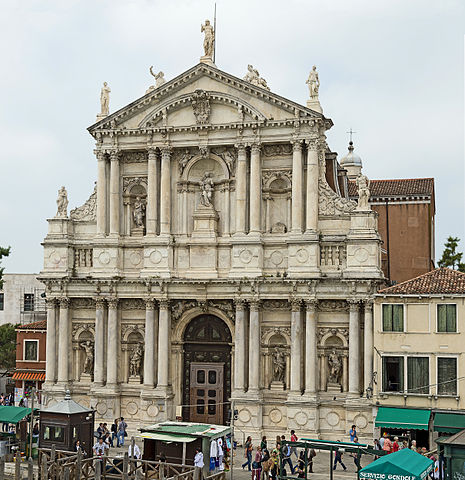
column 276, row 348
column 131, row 339
column 85, row 341
column 134, row 195
column 277, row 195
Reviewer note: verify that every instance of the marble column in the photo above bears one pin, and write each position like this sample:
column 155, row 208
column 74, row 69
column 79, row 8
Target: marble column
column 164, row 345
column 99, row 344
column 241, row 188
column 112, row 342
column 354, row 347
column 255, row 189
column 368, row 344
column 227, row 209
column 51, row 360
column 165, row 192
column 239, row 347
column 101, row 193
column 311, row 365
column 254, row 347
column 152, row 188
column 311, row 221
column 114, row 192
column 150, row 352
column 297, row 188
column 296, row 347
column 63, row 341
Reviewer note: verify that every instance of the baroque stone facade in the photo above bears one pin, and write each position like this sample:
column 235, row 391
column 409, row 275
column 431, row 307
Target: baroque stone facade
column 218, row 245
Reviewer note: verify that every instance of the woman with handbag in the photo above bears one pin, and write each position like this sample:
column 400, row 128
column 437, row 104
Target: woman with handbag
column 248, row 453
column 257, row 465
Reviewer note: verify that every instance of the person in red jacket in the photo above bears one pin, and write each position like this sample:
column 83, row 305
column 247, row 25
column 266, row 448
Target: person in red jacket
column 395, row 445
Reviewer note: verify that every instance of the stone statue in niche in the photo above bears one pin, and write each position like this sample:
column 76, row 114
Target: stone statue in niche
column 138, row 213
column 279, row 366
column 313, row 83
column 363, row 184
column 209, row 40
column 89, row 361
column 105, row 99
column 335, row 367
column 62, row 203
column 135, row 361
column 206, row 190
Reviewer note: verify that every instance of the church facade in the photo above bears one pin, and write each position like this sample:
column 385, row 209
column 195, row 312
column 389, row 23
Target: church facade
column 218, row 262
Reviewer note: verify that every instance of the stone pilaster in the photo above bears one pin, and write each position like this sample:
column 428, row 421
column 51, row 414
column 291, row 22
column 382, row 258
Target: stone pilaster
column 114, row 193
column 297, row 187
column 63, row 342
column 152, row 187
column 311, row 223
column 368, row 344
column 165, row 191
column 241, row 188
column 239, row 347
column 296, row 347
column 51, row 360
column 354, row 348
column 311, row 364
column 101, row 196
column 112, row 342
column 164, row 345
column 99, row 345
column 255, row 190
column 254, row 348
column 150, row 352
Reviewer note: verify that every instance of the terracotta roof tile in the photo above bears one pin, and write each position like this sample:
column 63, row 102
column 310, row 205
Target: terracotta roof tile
column 439, row 281
column 400, row 187
column 40, row 325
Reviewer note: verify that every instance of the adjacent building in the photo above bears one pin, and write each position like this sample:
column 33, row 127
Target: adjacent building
column 218, row 259
column 406, row 211
column 419, row 340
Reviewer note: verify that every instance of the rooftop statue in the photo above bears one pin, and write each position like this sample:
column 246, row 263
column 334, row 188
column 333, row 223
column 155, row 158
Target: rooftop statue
column 313, row 83
column 105, row 99
column 254, row 78
column 159, row 77
column 209, row 40
column 62, row 203
column 363, row 184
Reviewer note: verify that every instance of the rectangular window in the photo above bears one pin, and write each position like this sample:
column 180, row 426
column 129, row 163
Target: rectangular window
column 393, row 318
column 28, row 302
column 418, row 375
column 393, row 374
column 447, row 376
column 31, row 350
column 2, row 300
column 447, row 317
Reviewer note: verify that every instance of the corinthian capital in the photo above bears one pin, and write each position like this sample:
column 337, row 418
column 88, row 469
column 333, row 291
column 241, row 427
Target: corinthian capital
column 112, row 302
column 296, row 304
column 115, row 155
column 312, row 143
column 353, row 304
column 99, row 303
column 149, row 304
column 255, row 148
column 297, row 146
column 64, row 302
column 152, row 153
column 166, row 151
column 311, row 304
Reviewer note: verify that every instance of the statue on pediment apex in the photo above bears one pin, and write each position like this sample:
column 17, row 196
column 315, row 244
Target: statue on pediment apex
column 105, row 100
column 313, row 83
column 209, row 39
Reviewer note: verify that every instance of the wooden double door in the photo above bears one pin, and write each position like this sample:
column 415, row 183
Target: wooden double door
column 206, row 392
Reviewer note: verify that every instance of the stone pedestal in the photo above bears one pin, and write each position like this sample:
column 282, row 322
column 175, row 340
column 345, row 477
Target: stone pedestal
column 208, row 60
column 85, row 378
column 137, row 232
column 334, row 387
column 205, row 222
column 100, row 117
column 277, row 386
column 314, row 105
column 134, row 380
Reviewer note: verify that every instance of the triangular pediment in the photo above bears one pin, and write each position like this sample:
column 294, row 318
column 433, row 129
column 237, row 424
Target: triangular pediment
column 230, row 101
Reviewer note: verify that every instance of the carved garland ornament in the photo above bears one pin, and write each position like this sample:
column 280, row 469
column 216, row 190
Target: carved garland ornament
column 332, row 305
column 269, row 175
column 279, row 150
column 276, row 305
column 134, row 157
column 88, row 211
column 334, row 331
column 200, row 101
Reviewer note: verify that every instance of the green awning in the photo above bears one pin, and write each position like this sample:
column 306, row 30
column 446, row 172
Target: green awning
column 164, row 437
column 404, row 464
column 404, row 418
column 449, row 422
column 10, row 414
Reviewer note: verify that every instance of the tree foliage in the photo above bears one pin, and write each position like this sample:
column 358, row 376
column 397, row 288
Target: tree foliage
column 450, row 257
column 7, row 346
column 4, row 252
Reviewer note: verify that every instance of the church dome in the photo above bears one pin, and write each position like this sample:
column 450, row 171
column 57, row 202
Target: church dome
column 351, row 159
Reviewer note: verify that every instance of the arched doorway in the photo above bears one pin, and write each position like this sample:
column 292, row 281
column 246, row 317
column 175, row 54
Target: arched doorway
column 207, row 370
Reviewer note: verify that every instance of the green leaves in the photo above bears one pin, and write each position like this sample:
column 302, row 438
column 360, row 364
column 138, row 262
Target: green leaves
column 4, row 252
column 450, row 257
column 7, row 346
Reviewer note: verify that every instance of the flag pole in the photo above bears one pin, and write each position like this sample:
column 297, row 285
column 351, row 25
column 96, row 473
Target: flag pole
column 214, row 38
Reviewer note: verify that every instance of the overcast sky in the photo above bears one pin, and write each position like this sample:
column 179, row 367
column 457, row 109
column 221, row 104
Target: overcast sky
column 392, row 70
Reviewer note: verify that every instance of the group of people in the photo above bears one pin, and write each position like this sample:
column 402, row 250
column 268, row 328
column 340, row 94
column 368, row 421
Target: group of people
column 392, row 444
column 265, row 461
column 118, row 432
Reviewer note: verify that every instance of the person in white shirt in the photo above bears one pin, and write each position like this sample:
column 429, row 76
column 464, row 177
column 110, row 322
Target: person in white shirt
column 137, row 453
column 198, row 463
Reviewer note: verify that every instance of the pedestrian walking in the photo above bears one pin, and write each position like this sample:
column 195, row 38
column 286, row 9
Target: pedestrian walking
column 352, row 433
column 311, row 456
column 248, row 454
column 257, row 465
column 122, row 432
column 198, row 463
column 263, row 443
column 338, row 458
column 114, row 432
column 287, row 456
column 395, row 445
column 294, row 448
column 387, row 445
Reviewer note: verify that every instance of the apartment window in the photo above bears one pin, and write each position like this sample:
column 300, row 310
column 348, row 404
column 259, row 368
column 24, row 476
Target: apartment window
column 447, row 376
column 393, row 318
column 2, row 300
column 393, row 374
column 31, row 350
column 418, row 375
column 447, row 317
column 28, row 302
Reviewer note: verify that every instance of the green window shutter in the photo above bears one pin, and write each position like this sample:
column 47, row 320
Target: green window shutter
column 418, row 375
column 401, row 376
column 398, row 318
column 451, row 318
column 447, row 376
column 387, row 318
column 442, row 318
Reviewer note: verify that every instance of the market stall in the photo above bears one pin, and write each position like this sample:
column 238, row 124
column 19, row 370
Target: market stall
column 404, row 464
column 13, row 437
